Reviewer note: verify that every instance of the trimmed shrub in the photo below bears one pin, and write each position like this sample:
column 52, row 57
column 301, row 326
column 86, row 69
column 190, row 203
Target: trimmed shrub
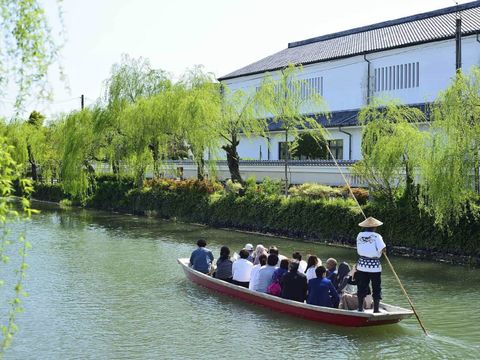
column 315, row 191
column 360, row 194
column 110, row 191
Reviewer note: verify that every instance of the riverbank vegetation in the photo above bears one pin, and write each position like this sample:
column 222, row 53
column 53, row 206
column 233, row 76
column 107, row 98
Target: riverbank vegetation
column 421, row 166
column 311, row 211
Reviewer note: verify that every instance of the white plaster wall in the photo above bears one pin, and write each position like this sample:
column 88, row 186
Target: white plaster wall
column 250, row 148
column 327, row 175
column 437, row 67
column 345, row 80
column 345, row 86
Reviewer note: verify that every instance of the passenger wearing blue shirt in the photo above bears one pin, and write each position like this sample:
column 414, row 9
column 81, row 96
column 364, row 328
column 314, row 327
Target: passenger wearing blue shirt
column 321, row 291
column 201, row 259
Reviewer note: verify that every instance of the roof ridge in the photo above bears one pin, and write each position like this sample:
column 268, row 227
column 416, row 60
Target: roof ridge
column 406, row 19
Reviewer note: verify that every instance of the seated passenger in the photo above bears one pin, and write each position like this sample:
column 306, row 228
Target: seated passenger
column 251, row 255
column 347, row 290
column 224, row 265
column 331, row 266
column 242, row 270
column 275, row 288
column 259, row 250
column 321, row 291
column 265, row 274
column 282, row 270
column 201, row 258
column 312, row 263
column 274, row 250
column 254, row 276
column 294, row 284
column 344, row 279
column 302, row 264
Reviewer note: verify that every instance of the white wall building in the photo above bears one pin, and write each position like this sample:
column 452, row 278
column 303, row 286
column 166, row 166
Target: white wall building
column 410, row 59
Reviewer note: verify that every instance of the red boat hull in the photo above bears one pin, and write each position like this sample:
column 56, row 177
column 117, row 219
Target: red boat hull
column 310, row 312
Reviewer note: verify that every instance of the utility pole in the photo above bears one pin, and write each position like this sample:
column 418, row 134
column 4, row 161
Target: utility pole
column 82, row 101
column 458, row 41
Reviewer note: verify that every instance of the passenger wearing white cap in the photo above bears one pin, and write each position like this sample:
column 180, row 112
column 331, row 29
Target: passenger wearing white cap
column 370, row 247
column 251, row 255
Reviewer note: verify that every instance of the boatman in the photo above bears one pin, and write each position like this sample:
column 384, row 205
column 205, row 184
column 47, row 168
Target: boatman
column 370, row 247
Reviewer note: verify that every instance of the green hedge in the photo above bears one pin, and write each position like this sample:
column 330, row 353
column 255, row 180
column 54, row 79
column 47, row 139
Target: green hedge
column 109, row 192
column 49, row 192
column 333, row 220
column 323, row 220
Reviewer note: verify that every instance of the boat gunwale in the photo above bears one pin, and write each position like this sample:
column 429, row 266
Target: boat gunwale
column 388, row 314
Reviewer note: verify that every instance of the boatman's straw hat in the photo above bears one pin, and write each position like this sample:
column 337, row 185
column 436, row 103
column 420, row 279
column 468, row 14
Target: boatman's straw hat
column 371, row 222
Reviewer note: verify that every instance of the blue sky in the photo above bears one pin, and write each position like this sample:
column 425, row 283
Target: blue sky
column 174, row 35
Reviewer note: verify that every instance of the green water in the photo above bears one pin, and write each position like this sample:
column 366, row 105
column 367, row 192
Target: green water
column 107, row 286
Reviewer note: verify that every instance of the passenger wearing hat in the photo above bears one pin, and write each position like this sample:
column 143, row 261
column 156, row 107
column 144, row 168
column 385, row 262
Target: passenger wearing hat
column 370, row 247
column 251, row 255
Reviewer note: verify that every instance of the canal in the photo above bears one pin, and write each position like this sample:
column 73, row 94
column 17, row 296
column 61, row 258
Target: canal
column 107, row 286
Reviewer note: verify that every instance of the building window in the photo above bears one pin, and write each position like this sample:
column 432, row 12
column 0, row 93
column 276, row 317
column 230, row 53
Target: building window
column 336, row 147
column 397, row 77
column 282, row 150
column 306, row 88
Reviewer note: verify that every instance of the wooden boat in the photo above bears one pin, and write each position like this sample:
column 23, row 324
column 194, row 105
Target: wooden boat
column 389, row 314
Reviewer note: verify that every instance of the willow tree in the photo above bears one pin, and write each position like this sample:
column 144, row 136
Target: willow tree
column 11, row 246
column 149, row 125
column 130, row 80
column 200, row 114
column 28, row 49
column 242, row 114
column 450, row 167
column 294, row 109
column 80, row 148
column 392, row 148
column 34, row 144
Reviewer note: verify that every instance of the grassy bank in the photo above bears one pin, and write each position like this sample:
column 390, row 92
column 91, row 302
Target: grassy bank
column 315, row 213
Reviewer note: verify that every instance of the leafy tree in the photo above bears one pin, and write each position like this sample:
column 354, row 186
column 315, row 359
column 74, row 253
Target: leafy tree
column 450, row 167
column 28, row 48
column 150, row 124
column 79, row 151
column 33, row 146
column 130, row 80
column 309, row 147
column 392, row 147
column 35, row 140
column 200, row 114
column 295, row 109
column 9, row 245
column 242, row 113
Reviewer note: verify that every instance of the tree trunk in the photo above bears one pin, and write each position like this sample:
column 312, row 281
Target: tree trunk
column 156, row 159
column 201, row 169
column 233, row 160
column 116, row 167
column 409, row 184
column 140, row 177
column 31, row 160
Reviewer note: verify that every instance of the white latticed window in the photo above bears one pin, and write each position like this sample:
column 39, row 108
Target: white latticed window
column 396, row 77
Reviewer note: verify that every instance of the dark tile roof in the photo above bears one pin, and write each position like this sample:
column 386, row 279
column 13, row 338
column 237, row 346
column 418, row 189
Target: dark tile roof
column 342, row 118
column 426, row 27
